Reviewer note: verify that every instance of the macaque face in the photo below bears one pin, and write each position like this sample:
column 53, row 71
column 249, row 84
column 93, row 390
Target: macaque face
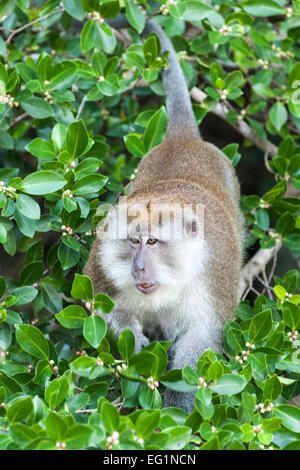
column 144, row 257
column 153, row 261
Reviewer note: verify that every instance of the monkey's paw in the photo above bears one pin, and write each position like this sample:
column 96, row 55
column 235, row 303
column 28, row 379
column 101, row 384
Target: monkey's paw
column 140, row 341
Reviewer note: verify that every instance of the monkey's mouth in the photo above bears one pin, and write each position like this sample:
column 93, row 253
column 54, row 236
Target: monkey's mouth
column 147, row 287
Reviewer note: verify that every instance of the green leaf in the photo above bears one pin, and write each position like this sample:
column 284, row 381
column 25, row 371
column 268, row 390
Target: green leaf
column 19, row 410
column 78, row 401
column 235, row 339
column 89, row 184
column 5, row 337
column 278, row 115
column 78, row 436
column 173, row 380
column 103, row 303
column 94, row 330
column 280, row 292
column 67, row 256
column 272, row 388
column 50, row 297
column 262, row 8
column 42, row 149
column 263, row 219
column 215, row 371
column 74, row 8
column 42, row 182
column 291, row 315
column 126, row 343
column 9, row 383
column 197, row 11
column 22, row 434
column 151, row 48
column 38, row 108
column 110, row 417
column 2, row 286
column 82, row 288
column 3, row 234
column 56, row 392
column 86, row 167
column 24, row 295
column 87, row 37
column 27, row 226
column 211, row 444
column 56, row 427
column 178, row 437
column 261, row 325
column 285, row 224
column 28, row 207
column 146, row 423
column 229, row 384
column 43, row 372
column 110, row 86
column 58, row 136
column 7, row 7
column 135, row 145
column 62, row 76
column 77, row 139
column 104, row 38
column 242, row 46
column 83, row 365
column 290, row 416
column 156, row 129
column 31, row 273
column 72, row 316
column 32, row 341
column 135, row 16
column 204, row 403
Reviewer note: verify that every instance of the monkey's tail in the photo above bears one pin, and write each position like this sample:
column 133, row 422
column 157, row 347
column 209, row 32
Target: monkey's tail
column 181, row 119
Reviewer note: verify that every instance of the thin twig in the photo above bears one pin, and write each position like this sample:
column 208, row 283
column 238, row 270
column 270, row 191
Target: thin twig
column 81, row 107
column 274, row 264
column 37, row 20
column 92, row 410
column 18, row 119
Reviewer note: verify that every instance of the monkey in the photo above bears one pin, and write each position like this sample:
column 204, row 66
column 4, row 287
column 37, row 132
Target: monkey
column 178, row 289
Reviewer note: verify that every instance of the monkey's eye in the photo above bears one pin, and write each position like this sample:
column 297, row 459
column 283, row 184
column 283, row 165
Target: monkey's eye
column 151, row 241
column 134, row 240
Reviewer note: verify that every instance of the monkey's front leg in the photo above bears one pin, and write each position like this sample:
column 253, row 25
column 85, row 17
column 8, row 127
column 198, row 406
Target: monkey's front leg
column 186, row 352
column 119, row 320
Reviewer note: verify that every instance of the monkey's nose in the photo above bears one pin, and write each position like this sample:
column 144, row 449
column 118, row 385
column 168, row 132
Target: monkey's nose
column 136, row 272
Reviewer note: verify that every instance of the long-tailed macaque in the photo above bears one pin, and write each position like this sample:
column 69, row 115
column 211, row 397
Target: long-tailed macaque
column 174, row 281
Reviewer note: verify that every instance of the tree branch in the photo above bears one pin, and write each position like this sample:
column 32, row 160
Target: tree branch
column 242, row 127
column 256, row 265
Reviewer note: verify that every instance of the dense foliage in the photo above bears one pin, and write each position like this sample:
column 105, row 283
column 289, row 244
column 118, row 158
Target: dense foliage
column 74, row 122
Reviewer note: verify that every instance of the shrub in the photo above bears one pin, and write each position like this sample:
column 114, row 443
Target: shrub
column 74, row 122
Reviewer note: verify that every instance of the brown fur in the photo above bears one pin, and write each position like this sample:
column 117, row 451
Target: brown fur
column 198, row 280
column 188, row 170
